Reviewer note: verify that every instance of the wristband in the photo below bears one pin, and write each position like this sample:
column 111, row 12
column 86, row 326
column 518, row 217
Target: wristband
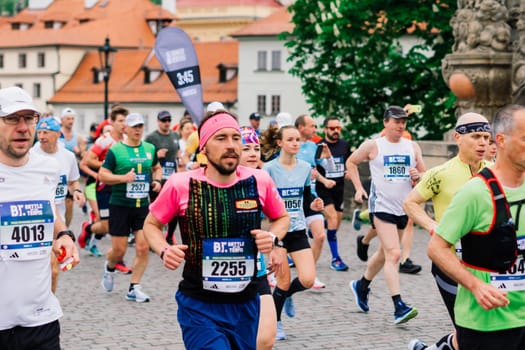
column 157, row 180
column 163, row 251
column 66, row 233
column 78, row 190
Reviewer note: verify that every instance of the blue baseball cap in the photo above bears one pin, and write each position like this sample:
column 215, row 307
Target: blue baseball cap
column 48, row 123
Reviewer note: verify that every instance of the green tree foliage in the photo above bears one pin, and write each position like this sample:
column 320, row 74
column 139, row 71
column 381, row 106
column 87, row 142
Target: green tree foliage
column 10, row 6
column 351, row 64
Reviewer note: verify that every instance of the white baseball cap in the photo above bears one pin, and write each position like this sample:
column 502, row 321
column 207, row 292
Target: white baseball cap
column 283, row 119
column 14, row 99
column 214, row 106
column 134, row 119
column 68, row 111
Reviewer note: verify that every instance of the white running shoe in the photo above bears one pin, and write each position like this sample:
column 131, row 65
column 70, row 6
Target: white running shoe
column 318, row 284
column 136, row 294
column 280, row 335
column 108, row 281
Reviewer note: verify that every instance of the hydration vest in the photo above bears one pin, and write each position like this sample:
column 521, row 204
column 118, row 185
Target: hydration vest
column 495, row 250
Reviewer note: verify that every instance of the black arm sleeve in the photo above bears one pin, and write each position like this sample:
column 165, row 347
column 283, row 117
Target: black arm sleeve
column 308, row 197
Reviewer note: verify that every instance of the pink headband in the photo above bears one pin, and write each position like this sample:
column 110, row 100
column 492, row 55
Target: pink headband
column 211, row 126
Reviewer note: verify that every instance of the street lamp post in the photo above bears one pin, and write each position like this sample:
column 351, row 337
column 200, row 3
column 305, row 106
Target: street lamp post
column 106, row 54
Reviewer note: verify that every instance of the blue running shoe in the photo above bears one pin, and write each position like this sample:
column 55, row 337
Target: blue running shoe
column 280, row 335
column 338, row 264
column 290, row 261
column 361, row 299
column 93, row 250
column 356, row 220
column 404, row 313
column 289, row 307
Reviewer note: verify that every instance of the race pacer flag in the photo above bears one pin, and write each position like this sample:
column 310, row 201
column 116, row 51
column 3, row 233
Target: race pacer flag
column 175, row 51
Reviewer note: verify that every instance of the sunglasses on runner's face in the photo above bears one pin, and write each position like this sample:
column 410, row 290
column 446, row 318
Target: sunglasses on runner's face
column 165, row 120
column 14, row 119
column 334, row 128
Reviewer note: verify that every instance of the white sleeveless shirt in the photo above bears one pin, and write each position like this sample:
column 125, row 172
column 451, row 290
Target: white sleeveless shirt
column 390, row 177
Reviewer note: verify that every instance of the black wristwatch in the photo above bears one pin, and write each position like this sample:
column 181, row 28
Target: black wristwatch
column 276, row 242
column 66, row 233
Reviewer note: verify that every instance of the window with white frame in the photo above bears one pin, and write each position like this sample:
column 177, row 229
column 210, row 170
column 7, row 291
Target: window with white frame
column 276, row 104
column 276, row 60
column 261, row 104
column 37, row 90
column 22, row 60
column 41, row 60
column 261, row 60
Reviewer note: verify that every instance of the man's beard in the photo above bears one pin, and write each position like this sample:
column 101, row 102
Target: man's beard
column 222, row 169
column 332, row 137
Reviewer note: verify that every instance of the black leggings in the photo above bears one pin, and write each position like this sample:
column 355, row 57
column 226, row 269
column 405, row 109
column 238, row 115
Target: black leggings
column 448, row 289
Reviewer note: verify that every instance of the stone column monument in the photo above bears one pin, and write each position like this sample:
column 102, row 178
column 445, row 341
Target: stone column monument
column 486, row 68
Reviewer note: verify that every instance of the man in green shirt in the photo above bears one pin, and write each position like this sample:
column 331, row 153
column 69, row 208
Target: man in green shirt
column 131, row 167
column 489, row 307
column 440, row 184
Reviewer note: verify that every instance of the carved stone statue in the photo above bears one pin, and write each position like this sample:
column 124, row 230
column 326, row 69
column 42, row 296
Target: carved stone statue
column 486, row 68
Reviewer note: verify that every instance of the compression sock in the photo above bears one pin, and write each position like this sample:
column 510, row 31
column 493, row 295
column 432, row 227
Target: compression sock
column 396, row 299
column 364, row 284
column 332, row 242
column 444, row 343
column 279, row 296
column 295, row 287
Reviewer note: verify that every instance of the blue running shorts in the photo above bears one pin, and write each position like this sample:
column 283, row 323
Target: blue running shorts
column 217, row 326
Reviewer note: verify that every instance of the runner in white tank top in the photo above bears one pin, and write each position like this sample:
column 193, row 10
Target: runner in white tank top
column 394, row 164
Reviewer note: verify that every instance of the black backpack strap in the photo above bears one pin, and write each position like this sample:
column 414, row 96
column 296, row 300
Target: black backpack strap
column 501, row 206
column 519, row 204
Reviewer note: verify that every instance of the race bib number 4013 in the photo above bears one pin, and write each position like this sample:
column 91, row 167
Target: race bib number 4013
column 26, row 230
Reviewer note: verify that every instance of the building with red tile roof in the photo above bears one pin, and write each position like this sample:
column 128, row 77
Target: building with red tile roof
column 206, row 20
column 50, row 49
column 265, row 86
column 43, row 45
column 138, row 82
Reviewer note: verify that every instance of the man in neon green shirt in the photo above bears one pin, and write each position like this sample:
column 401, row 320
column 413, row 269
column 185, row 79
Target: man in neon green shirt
column 488, row 315
column 440, row 184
